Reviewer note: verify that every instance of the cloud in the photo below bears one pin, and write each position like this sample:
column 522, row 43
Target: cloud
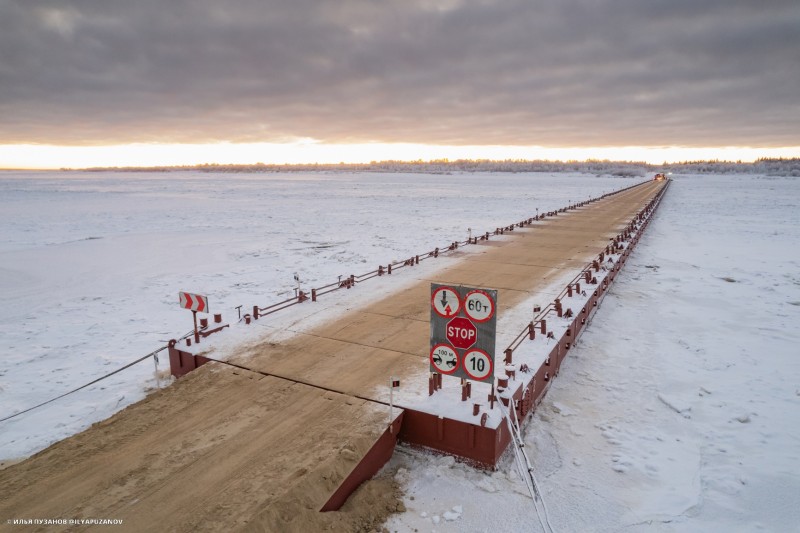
column 519, row 72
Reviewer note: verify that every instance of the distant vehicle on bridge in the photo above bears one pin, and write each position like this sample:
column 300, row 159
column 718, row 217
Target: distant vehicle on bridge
column 660, row 177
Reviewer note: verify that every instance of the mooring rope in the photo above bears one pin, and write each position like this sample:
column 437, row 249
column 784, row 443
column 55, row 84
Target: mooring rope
column 154, row 353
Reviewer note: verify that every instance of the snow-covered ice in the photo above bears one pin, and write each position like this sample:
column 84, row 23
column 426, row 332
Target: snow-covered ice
column 679, row 408
column 91, row 263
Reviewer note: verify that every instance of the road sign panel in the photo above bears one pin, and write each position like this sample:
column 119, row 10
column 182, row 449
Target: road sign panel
column 457, row 331
column 461, row 333
column 446, row 302
column 479, row 306
column 478, row 365
column 444, row 359
column 193, row 302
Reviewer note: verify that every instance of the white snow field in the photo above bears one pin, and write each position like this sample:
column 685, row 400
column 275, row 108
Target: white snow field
column 91, row 263
column 679, row 409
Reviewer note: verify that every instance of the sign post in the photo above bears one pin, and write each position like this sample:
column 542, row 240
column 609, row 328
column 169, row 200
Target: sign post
column 463, row 329
column 195, row 303
column 393, row 384
column 155, row 362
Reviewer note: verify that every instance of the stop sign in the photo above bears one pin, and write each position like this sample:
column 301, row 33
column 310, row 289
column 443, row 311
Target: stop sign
column 461, row 333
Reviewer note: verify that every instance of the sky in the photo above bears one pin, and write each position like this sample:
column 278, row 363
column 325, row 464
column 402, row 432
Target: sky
column 104, row 82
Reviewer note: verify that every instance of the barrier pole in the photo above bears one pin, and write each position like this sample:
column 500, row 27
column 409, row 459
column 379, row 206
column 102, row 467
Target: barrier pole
column 391, row 404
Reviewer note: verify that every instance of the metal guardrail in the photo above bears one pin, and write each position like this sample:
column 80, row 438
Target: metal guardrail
column 540, row 320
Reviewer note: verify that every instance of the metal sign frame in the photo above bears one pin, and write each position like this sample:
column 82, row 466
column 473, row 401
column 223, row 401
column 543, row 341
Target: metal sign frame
column 479, row 307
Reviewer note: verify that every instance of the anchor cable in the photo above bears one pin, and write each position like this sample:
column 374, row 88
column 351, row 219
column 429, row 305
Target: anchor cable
column 154, row 353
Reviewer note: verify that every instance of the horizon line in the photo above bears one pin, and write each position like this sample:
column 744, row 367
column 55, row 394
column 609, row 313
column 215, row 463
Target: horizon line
column 405, row 162
column 47, row 157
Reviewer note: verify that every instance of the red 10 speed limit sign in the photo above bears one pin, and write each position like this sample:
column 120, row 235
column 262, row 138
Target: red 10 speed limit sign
column 478, row 365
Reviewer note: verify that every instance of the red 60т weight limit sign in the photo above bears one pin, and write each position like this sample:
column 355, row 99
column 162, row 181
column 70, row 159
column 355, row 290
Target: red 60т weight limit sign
column 463, row 326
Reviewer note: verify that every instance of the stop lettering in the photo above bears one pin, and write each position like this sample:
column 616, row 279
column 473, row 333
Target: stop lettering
column 461, row 333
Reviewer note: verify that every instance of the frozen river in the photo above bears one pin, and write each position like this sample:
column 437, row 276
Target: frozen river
column 91, row 263
column 678, row 410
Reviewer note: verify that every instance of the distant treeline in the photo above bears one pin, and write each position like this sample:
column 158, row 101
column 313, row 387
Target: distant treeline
column 770, row 167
